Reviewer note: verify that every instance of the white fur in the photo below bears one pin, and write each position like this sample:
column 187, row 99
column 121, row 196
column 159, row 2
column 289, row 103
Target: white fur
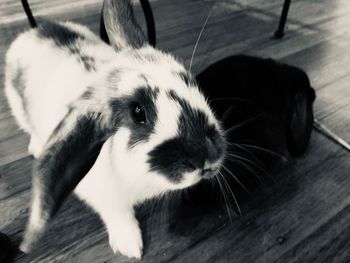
column 120, row 177
column 53, row 80
column 115, row 185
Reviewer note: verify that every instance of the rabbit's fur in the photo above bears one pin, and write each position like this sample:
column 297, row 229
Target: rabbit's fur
column 118, row 124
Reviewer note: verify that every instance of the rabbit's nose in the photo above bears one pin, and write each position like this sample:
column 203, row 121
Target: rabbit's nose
column 214, row 149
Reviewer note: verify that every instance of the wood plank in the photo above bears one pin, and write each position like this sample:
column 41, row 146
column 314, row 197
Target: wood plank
column 303, row 216
column 15, row 177
column 305, row 204
column 332, row 237
column 330, row 100
column 13, row 148
column 304, row 194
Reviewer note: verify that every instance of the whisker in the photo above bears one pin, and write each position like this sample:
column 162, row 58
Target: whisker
column 226, row 113
column 250, row 169
column 223, row 194
column 234, row 99
column 200, row 36
column 256, row 163
column 249, row 152
column 232, row 194
column 244, row 159
column 226, row 191
column 154, row 212
column 243, row 123
column 162, row 211
column 247, row 160
column 235, row 177
column 261, row 149
column 225, row 186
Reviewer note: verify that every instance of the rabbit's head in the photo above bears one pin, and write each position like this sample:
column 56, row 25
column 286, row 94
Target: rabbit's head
column 166, row 134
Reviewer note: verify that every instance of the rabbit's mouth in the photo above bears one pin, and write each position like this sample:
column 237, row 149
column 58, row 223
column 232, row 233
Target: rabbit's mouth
column 192, row 178
column 188, row 179
column 209, row 173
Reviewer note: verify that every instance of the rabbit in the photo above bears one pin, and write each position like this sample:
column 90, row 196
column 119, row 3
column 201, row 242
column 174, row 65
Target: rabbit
column 115, row 124
column 255, row 85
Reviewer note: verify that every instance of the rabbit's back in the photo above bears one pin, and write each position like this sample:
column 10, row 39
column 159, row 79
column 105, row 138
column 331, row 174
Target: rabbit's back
column 49, row 67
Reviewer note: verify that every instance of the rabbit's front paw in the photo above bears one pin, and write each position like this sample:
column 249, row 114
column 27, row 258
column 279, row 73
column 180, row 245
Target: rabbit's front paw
column 34, row 147
column 126, row 239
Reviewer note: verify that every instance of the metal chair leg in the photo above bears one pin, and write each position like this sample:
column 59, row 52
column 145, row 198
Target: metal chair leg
column 29, row 13
column 280, row 31
column 151, row 28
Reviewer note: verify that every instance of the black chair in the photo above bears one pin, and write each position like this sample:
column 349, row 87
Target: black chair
column 280, row 30
column 279, row 33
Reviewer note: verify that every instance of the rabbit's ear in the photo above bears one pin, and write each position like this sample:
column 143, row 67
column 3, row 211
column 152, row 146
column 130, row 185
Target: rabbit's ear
column 300, row 122
column 63, row 165
column 120, row 25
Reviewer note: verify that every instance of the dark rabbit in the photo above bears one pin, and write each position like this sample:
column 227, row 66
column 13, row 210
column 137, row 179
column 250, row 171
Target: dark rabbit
column 256, row 88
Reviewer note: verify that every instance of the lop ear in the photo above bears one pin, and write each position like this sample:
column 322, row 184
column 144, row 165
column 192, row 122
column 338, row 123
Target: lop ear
column 300, row 122
column 119, row 24
column 300, row 116
column 65, row 162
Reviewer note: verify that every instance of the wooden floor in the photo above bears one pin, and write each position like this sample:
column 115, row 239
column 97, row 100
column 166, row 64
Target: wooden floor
column 302, row 216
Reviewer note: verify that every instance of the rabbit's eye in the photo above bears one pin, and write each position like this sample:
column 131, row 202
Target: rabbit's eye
column 138, row 113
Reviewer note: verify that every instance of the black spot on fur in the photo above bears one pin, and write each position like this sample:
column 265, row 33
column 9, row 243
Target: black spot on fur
column 67, row 161
column 87, row 94
column 192, row 122
column 142, row 76
column 195, row 127
column 198, row 142
column 174, row 157
column 122, row 108
column 150, row 57
column 114, row 76
column 62, row 36
column 145, row 56
column 66, row 38
column 88, row 61
column 186, row 77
